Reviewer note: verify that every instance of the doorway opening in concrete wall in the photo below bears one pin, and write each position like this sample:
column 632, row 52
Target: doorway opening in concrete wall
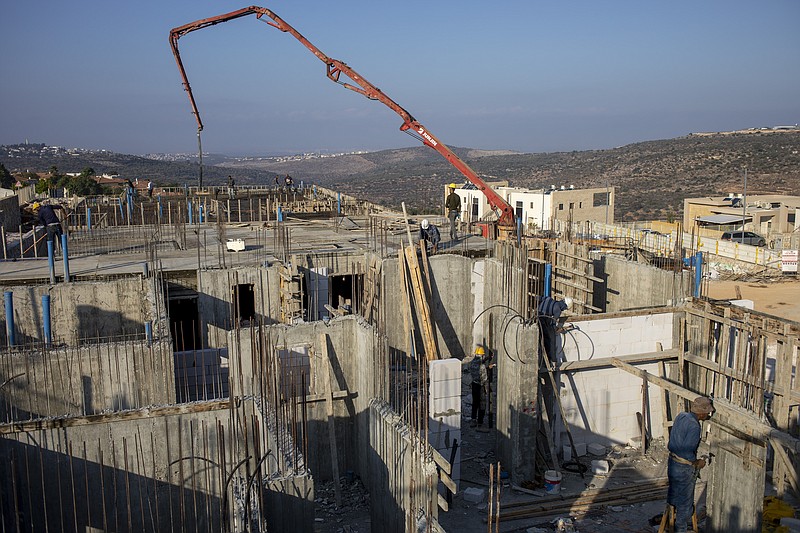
column 345, row 291
column 244, row 303
column 184, row 321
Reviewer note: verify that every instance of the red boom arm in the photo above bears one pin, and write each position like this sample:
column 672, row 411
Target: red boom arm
column 335, row 69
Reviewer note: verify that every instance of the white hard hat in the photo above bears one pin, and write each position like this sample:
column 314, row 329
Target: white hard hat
column 425, row 223
column 568, row 301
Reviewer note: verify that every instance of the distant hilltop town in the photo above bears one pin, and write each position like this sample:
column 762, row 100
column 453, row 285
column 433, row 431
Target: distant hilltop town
column 771, row 129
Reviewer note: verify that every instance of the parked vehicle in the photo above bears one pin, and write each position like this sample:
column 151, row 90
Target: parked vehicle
column 744, row 237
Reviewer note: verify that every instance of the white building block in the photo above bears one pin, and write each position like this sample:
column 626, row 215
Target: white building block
column 600, row 467
column 474, row 494
column 596, row 449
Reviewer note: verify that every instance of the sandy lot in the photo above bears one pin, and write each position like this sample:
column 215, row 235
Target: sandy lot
column 779, row 298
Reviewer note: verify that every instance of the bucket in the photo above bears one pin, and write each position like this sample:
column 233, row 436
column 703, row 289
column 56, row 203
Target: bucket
column 552, row 481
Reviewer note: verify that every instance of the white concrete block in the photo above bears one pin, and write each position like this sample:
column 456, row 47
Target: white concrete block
column 474, row 494
column 442, row 406
column 580, row 449
column 444, row 369
column 445, row 388
column 596, row 449
column 600, row 467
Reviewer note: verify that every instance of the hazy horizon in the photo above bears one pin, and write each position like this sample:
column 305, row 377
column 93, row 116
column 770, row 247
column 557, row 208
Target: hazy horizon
column 524, row 76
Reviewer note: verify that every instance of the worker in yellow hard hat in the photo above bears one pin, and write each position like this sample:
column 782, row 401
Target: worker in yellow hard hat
column 453, row 206
column 479, row 369
column 36, row 206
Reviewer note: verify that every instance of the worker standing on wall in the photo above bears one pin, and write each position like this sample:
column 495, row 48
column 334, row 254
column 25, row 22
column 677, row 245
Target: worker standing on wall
column 453, row 206
column 480, row 369
column 549, row 311
column 429, row 234
column 684, row 466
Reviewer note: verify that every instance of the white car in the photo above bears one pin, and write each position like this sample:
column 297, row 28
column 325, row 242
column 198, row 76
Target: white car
column 235, row 245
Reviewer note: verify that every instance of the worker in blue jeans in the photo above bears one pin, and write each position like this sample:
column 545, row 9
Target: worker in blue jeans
column 684, row 466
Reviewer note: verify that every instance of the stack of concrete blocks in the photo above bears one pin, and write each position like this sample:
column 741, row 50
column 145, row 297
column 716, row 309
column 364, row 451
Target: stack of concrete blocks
column 601, row 404
column 444, row 423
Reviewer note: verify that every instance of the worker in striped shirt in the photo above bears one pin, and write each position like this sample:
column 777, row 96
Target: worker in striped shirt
column 549, row 312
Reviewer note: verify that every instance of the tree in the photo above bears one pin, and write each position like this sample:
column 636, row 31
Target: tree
column 88, row 172
column 6, row 179
column 83, row 186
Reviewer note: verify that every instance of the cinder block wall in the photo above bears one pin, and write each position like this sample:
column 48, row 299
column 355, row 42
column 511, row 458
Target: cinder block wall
column 601, row 404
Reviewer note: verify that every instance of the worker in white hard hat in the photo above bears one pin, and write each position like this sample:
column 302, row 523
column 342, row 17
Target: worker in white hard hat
column 429, row 234
column 549, row 313
column 453, row 206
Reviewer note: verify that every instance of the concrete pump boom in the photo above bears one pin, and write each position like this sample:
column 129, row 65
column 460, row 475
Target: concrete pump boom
column 360, row 85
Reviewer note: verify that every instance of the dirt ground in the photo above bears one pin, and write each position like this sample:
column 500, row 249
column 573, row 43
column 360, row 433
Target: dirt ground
column 779, row 298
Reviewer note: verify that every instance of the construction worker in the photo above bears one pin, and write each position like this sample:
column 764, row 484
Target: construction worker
column 549, row 313
column 684, row 466
column 46, row 215
column 429, row 234
column 480, row 369
column 453, row 206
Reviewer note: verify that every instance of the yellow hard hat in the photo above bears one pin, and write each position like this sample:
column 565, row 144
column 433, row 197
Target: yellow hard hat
column 452, row 185
column 479, row 350
column 36, row 205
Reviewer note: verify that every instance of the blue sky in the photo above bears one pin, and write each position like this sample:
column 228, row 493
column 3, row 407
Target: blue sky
column 531, row 76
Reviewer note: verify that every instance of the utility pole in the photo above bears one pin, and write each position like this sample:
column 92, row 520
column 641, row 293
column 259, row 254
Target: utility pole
column 608, row 201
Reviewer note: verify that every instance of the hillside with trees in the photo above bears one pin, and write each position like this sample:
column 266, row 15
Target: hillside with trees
column 651, row 178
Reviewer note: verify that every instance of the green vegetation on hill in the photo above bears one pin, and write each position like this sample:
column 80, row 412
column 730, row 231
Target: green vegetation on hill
column 651, row 178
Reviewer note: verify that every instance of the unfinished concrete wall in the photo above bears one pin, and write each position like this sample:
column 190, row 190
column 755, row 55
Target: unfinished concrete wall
column 10, row 217
column 216, row 303
column 653, row 287
column 601, row 403
column 464, row 292
column 402, row 482
column 517, row 392
column 85, row 380
column 85, row 310
column 165, row 473
column 350, row 368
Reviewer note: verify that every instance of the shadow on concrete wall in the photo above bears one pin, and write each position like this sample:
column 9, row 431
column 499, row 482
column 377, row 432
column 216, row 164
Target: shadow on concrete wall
column 46, row 490
column 443, row 323
column 102, row 324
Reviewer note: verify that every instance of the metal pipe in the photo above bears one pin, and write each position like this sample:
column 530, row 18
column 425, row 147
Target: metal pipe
column 698, row 273
column 88, row 219
column 9, row 300
column 148, row 331
column 48, row 336
column 51, row 261
column 65, row 256
column 548, row 276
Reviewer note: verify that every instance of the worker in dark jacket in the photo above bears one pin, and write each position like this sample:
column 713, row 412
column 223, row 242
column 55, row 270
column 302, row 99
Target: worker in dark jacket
column 453, row 206
column 47, row 217
column 429, row 234
column 549, row 312
column 684, row 466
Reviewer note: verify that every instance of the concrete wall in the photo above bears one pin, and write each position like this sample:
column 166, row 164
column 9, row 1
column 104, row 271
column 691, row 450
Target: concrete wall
column 352, row 355
column 91, row 379
column 401, row 481
column 653, row 287
column 215, row 300
column 517, row 390
column 601, row 404
column 10, row 217
column 462, row 289
column 85, row 310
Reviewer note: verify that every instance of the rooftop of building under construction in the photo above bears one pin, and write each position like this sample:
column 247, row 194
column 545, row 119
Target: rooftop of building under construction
column 316, row 379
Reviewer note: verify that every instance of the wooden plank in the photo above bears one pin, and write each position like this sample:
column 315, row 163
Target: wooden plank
column 147, row 412
column 448, row 482
column 787, row 465
column 326, row 379
column 443, row 463
column 749, row 423
column 421, row 302
column 605, row 362
column 442, row 503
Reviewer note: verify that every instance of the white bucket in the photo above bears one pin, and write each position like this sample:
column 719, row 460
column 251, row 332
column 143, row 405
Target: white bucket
column 552, row 481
